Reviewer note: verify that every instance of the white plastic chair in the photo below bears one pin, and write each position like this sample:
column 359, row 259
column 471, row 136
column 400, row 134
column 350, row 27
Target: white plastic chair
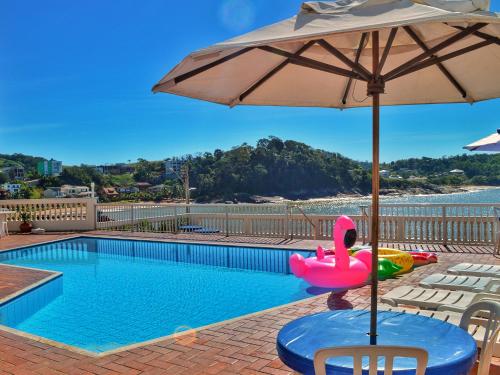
column 372, row 352
column 4, row 229
column 491, row 324
column 487, row 353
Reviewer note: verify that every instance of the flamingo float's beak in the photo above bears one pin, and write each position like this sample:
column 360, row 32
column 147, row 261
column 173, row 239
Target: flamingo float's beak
column 298, row 265
column 350, row 238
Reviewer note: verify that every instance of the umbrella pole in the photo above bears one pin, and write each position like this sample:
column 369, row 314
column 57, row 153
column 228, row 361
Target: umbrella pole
column 375, row 88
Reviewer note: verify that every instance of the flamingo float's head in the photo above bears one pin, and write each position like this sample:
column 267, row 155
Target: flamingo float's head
column 345, row 231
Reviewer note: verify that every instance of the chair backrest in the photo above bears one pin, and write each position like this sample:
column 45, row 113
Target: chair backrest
column 372, row 352
column 489, row 309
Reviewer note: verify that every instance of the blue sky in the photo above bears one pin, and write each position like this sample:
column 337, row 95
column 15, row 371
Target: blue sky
column 75, row 81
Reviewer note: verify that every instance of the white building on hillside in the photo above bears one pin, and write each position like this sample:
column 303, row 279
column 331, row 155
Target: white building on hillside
column 68, row 191
column 53, row 192
column 12, row 188
column 385, row 173
column 76, row 191
column 173, row 167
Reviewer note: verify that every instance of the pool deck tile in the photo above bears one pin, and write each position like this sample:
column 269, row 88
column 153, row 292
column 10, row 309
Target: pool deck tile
column 241, row 346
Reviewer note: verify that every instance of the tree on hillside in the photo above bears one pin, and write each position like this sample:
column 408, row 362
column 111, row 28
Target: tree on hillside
column 274, row 166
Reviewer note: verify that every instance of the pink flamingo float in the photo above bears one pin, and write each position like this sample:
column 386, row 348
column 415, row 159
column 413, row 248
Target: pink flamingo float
column 339, row 270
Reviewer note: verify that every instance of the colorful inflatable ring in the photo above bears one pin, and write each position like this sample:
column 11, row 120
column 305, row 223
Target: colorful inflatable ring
column 398, row 257
column 421, row 258
column 387, row 269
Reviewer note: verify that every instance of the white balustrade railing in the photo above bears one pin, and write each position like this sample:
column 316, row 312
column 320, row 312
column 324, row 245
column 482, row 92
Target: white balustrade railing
column 438, row 223
column 409, row 223
column 68, row 214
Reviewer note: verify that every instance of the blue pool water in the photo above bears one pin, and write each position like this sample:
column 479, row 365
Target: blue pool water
column 118, row 292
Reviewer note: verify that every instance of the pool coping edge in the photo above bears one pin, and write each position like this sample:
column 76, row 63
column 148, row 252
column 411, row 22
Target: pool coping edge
column 82, row 351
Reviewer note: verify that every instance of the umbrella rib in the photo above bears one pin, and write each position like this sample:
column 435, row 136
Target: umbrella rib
column 435, row 60
column 356, row 60
column 201, row 69
column 275, row 70
column 387, row 49
column 355, row 66
column 441, row 67
column 481, row 35
column 446, row 43
column 310, row 63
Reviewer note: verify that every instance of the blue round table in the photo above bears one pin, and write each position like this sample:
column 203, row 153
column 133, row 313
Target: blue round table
column 451, row 349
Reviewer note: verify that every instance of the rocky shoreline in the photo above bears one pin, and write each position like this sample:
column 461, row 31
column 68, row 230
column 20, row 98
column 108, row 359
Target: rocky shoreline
column 304, row 197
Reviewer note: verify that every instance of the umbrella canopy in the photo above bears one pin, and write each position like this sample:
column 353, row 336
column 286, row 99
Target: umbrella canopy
column 307, row 60
column 489, row 143
column 338, row 54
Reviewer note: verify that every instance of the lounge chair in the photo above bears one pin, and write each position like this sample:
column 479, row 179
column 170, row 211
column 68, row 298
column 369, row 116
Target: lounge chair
column 471, row 269
column 190, row 228
column 476, row 284
column 475, row 326
column 207, row 230
column 435, row 299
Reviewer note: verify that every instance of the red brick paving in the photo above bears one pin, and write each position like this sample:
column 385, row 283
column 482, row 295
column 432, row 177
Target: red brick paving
column 242, row 346
column 14, row 279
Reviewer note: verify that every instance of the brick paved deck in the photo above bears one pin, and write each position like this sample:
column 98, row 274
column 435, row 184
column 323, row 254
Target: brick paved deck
column 240, row 346
column 15, row 279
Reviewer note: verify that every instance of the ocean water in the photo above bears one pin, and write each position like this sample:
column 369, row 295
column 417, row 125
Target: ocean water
column 118, row 292
column 334, row 206
column 350, row 206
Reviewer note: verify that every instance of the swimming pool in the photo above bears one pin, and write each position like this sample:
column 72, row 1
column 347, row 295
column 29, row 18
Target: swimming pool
column 116, row 292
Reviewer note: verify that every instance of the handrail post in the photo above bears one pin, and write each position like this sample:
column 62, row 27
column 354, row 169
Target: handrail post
column 287, row 217
column 227, row 220
column 96, row 216
column 316, row 229
column 369, row 224
column 132, row 216
column 176, row 224
column 364, row 216
column 445, row 226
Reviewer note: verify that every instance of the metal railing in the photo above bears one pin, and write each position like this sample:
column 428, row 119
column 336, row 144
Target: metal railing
column 417, row 223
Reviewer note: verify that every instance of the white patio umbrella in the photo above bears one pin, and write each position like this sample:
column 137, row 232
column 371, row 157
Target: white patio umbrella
column 489, row 143
column 337, row 54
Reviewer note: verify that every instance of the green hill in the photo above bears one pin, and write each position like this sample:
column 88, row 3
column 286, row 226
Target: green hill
column 28, row 162
column 479, row 169
column 281, row 167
